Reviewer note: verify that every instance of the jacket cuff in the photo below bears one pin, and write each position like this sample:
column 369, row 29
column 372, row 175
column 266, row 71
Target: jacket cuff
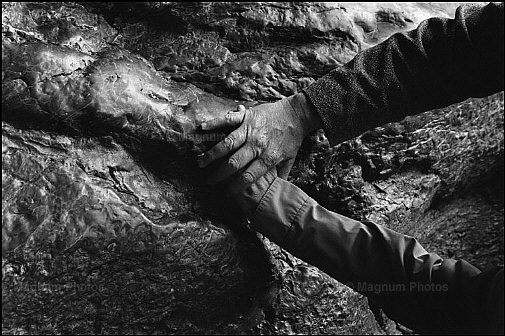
column 324, row 95
column 278, row 210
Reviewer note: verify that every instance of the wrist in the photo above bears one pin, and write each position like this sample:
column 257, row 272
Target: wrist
column 251, row 197
column 311, row 120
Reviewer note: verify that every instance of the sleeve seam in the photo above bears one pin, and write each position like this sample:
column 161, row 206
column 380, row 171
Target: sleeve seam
column 294, row 217
column 268, row 193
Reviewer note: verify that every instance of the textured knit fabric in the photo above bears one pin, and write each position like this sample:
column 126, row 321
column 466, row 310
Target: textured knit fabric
column 443, row 61
column 415, row 288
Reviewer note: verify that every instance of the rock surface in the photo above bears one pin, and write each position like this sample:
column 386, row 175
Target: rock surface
column 107, row 226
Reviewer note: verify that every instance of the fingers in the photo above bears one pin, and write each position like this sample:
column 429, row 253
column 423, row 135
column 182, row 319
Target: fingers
column 237, row 161
column 284, row 168
column 255, row 170
column 233, row 141
column 229, row 119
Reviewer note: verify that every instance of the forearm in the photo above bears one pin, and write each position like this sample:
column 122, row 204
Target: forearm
column 414, row 287
column 442, row 62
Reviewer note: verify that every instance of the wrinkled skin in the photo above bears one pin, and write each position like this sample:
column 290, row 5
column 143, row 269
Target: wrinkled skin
column 268, row 136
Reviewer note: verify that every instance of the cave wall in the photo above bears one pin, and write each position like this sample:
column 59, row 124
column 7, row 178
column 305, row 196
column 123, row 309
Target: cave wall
column 107, row 226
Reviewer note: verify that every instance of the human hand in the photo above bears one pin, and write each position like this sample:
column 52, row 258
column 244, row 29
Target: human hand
column 268, row 136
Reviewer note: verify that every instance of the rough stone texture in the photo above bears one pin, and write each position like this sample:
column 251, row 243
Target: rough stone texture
column 258, row 51
column 94, row 220
column 107, row 226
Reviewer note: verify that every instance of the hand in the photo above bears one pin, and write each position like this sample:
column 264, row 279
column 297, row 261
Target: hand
column 249, row 198
column 268, row 136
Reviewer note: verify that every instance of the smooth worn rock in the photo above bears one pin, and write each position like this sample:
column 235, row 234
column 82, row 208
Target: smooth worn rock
column 107, row 225
column 96, row 166
column 112, row 91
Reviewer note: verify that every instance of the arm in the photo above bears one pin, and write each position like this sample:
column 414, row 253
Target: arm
column 443, row 61
column 416, row 288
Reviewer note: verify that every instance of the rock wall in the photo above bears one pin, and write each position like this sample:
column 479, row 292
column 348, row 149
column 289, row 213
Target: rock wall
column 107, row 226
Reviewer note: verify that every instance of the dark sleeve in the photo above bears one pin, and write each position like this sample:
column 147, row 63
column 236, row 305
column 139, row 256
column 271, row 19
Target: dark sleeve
column 415, row 288
column 443, row 61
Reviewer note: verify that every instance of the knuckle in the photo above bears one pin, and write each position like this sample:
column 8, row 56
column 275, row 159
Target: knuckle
column 228, row 142
column 233, row 163
column 260, row 144
column 269, row 159
column 250, row 117
column 256, row 151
